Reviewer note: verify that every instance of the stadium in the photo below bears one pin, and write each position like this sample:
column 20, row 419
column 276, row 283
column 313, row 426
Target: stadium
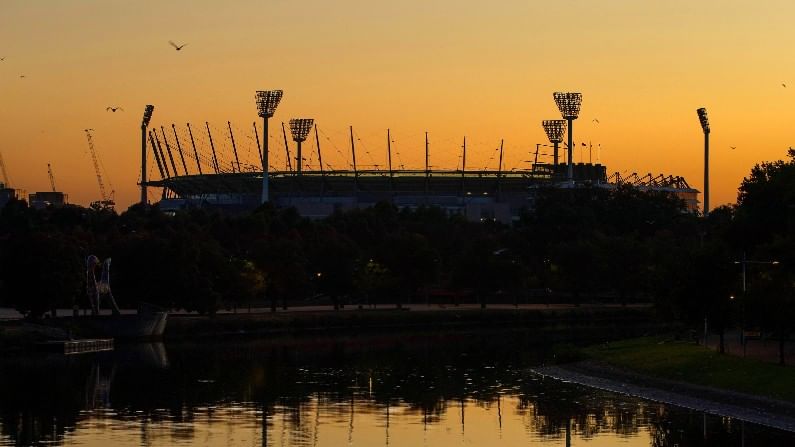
column 210, row 174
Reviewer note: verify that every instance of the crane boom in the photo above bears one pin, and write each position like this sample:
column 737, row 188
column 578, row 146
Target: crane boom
column 52, row 179
column 106, row 202
column 6, row 180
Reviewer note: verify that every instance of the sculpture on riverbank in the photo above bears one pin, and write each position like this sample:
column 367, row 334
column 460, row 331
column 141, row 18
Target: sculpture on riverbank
column 96, row 289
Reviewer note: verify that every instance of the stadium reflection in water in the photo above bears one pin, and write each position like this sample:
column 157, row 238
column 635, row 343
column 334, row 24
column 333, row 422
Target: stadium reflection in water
column 407, row 390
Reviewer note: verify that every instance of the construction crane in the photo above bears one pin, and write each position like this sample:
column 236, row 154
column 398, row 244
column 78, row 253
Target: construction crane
column 52, row 179
column 107, row 201
column 6, row 180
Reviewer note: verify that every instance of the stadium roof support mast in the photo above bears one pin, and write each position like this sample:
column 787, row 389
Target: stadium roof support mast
column 463, row 166
column 157, row 157
column 144, row 125
column 704, row 120
column 289, row 163
column 216, row 166
column 353, row 154
column 195, row 152
column 168, row 149
column 256, row 137
column 554, row 130
column 299, row 129
column 569, row 105
column 234, row 147
column 179, row 148
column 160, row 151
column 267, row 102
column 499, row 172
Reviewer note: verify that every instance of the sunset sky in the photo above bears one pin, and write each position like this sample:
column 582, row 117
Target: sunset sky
column 486, row 70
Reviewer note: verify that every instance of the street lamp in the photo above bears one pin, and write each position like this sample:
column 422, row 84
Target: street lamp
column 267, row 101
column 144, row 124
column 569, row 105
column 744, row 262
column 554, row 130
column 299, row 128
column 702, row 118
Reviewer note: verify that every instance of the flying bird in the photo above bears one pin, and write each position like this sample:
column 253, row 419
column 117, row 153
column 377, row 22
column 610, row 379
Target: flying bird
column 21, row 76
column 114, row 109
column 2, row 58
column 784, row 85
column 595, row 120
column 733, row 147
column 177, row 47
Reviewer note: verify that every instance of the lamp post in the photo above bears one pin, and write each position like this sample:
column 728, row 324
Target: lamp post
column 299, row 128
column 744, row 261
column 569, row 105
column 144, row 124
column 554, row 130
column 704, row 120
column 267, row 102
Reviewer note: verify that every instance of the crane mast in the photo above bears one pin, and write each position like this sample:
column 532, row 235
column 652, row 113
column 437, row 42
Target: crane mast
column 106, row 202
column 5, row 174
column 52, row 179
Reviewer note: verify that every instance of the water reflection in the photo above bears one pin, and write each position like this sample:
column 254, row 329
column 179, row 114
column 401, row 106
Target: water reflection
column 407, row 390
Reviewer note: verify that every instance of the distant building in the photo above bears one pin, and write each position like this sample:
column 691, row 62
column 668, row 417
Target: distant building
column 7, row 194
column 41, row 200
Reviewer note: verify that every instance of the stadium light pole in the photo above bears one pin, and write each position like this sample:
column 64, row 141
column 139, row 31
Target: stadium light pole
column 267, row 102
column 704, row 120
column 554, row 130
column 569, row 105
column 144, row 124
column 299, row 128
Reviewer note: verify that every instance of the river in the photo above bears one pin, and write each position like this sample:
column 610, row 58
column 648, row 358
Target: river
column 408, row 389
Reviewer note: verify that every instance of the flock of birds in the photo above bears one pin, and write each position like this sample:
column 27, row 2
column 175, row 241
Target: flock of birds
column 114, row 109
column 179, row 47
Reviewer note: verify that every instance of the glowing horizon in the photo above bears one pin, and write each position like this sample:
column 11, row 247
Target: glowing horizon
column 449, row 68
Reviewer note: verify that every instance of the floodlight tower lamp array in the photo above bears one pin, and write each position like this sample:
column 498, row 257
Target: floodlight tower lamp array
column 267, row 101
column 148, row 110
column 704, row 121
column 299, row 128
column 569, row 105
column 554, row 130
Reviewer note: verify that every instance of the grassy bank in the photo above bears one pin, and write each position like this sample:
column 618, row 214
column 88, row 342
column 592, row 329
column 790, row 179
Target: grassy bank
column 687, row 362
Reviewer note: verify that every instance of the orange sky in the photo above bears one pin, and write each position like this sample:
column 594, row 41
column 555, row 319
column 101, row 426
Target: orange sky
column 481, row 69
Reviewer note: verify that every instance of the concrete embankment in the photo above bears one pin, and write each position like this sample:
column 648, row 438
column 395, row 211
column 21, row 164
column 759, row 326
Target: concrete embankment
column 746, row 407
column 552, row 324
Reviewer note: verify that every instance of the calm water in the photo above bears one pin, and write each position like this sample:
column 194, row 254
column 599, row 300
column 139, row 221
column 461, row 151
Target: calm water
column 408, row 390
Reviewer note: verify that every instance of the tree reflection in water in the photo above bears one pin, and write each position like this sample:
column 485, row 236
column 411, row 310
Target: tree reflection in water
column 325, row 391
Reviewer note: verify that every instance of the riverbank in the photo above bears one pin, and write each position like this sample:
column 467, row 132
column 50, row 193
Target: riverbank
column 549, row 324
column 683, row 361
column 681, row 373
column 554, row 323
column 745, row 407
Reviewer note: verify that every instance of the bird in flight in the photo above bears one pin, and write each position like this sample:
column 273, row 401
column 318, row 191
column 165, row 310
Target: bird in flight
column 595, row 120
column 733, row 147
column 22, row 76
column 177, row 47
column 784, row 85
column 114, row 109
column 2, row 59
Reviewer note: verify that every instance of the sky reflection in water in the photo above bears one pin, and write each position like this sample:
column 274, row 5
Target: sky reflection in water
column 406, row 390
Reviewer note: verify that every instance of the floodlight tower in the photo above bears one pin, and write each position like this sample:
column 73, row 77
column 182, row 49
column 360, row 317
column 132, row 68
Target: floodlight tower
column 144, row 124
column 702, row 117
column 569, row 106
column 299, row 128
column 267, row 101
column 554, row 130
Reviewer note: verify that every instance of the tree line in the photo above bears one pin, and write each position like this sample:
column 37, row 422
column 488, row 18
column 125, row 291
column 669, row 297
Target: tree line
column 576, row 245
